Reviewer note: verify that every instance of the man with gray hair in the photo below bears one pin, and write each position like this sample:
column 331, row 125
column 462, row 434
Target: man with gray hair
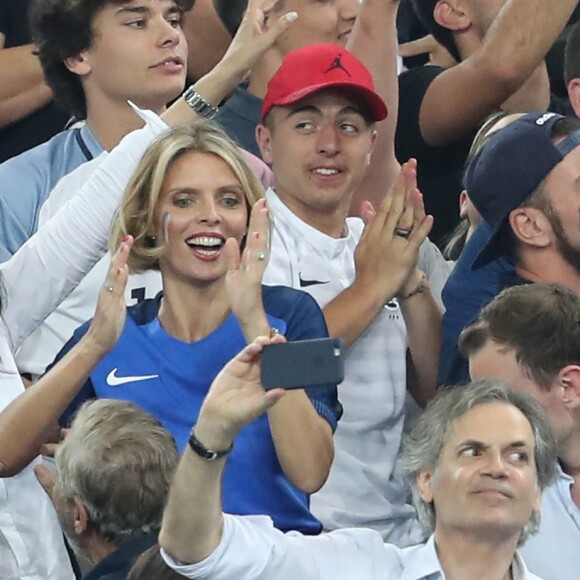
column 478, row 459
column 113, row 473
column 529, row 337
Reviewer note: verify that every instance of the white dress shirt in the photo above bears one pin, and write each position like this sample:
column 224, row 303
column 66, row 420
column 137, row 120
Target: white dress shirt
column 252, row 549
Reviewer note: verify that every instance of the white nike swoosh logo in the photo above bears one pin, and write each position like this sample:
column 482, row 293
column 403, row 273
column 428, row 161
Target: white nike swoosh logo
column 114, row 381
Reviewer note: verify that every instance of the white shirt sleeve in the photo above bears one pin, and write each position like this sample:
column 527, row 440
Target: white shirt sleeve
column 55, row 259
column 251, row 548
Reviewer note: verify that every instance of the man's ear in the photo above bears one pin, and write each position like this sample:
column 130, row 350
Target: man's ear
column 569, row 379
column 574, row 95
column 450, row 15
column 78, row 64
column 264, row 140
column 424, row 480
column 80, row 518
column 531, row 226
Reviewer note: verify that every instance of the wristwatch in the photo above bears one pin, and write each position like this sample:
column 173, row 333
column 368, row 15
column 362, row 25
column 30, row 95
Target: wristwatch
column 198, row 103
column 200, row 449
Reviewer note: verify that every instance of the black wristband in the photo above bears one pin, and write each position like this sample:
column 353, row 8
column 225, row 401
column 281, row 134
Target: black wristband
column 199, row 448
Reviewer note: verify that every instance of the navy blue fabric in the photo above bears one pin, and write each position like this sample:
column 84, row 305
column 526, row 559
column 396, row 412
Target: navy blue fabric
column 178, row 377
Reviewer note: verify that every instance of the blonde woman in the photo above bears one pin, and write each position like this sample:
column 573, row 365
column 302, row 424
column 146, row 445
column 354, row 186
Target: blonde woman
column 188, row 209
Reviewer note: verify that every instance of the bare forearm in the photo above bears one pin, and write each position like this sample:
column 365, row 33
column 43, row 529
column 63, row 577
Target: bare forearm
column 353, row 311
column 19, row 106
column 423, row 321
column 512, row 49
column 303, row 441
column 374, row 42
column 193, row 521
column 24, row 424
column 22, row 86
column 523, row 32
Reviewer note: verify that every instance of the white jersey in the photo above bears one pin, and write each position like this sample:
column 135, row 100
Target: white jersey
column 44, row 344
column 362, row 488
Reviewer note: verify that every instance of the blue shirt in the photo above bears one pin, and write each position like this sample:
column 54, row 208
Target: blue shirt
column 239, row 118
column 27, row 180
column 554, row 552
column 169, row 379
column 466, row 292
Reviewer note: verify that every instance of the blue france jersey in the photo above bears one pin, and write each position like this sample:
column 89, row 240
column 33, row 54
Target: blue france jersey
column 169, row 379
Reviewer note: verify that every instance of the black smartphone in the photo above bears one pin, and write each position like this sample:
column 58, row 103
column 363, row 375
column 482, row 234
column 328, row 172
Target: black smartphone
column 302, row 363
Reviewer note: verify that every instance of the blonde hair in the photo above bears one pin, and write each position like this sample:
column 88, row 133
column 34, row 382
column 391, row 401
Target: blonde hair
column 137, row 214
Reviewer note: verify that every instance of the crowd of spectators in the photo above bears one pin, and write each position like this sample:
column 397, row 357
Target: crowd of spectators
column 186, row 184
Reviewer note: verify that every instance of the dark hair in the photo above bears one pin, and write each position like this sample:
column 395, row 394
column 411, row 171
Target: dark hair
column 572, row 54
column 540, row 322
column 62, row 29
column 150, row 565
column 231, row 13
column 424, row 9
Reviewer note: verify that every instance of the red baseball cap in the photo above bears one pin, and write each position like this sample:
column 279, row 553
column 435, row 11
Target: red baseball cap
column 307, row 70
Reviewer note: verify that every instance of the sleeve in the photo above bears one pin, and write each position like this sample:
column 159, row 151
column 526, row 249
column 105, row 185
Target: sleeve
column 87, row 391
column 307, row 322
column 413, row 85
column 18, row 213
column 251, row 547
column 54, row 260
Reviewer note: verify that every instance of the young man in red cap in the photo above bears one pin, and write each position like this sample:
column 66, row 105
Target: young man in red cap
column 318, row 131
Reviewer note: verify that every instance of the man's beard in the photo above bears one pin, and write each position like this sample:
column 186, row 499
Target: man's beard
column 569, row 253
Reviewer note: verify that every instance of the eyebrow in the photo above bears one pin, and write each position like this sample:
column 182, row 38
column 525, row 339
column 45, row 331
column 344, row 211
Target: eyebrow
column 518, row 444
column 229, row 188
column 128, row 9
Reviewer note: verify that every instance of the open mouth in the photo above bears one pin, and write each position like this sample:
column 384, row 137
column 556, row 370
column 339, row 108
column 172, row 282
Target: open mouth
column 206, row 247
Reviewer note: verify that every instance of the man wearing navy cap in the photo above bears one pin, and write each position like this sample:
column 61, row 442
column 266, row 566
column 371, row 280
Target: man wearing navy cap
column 523, row 182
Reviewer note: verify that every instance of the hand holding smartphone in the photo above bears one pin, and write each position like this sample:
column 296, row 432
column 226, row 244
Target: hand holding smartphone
column 302, row 363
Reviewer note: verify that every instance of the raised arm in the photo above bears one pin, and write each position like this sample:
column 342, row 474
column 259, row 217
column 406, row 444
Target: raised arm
column 193, row 522
column 374, row 42
column 40, row 406
column 66, row 248
column 512, row 49
column 302, row 438
column 22, row 86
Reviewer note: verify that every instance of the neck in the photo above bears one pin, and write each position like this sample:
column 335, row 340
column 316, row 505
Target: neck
column 111, row 121
column 189, row 313
column 569, row 456
column 538, row 265
column 330, row 221
column 470, row 556
column 97, row 549
column 263, row 71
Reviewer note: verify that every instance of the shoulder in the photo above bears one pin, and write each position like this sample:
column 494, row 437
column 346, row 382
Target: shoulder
column 144, row 312
column 279, row 300
column 419, row 77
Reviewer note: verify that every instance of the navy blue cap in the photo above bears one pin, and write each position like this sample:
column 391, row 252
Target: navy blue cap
column 509, row 168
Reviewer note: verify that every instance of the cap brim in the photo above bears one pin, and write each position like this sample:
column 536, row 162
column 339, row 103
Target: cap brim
column 492, row 250
column 370, row 98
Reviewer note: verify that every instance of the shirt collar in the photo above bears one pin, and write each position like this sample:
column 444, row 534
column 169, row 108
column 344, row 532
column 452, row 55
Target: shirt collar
column 425, row 565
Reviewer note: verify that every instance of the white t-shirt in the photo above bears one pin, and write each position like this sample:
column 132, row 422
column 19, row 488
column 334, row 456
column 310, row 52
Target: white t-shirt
column 362, row 488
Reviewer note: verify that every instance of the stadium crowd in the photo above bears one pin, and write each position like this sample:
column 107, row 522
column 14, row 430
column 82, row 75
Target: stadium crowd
column 290, row 289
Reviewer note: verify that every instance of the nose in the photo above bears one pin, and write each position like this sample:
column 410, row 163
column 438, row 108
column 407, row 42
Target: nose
column 169, row 34
column 349, row 9
column 209, row 213
column 328, row 142
column 494, row 466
